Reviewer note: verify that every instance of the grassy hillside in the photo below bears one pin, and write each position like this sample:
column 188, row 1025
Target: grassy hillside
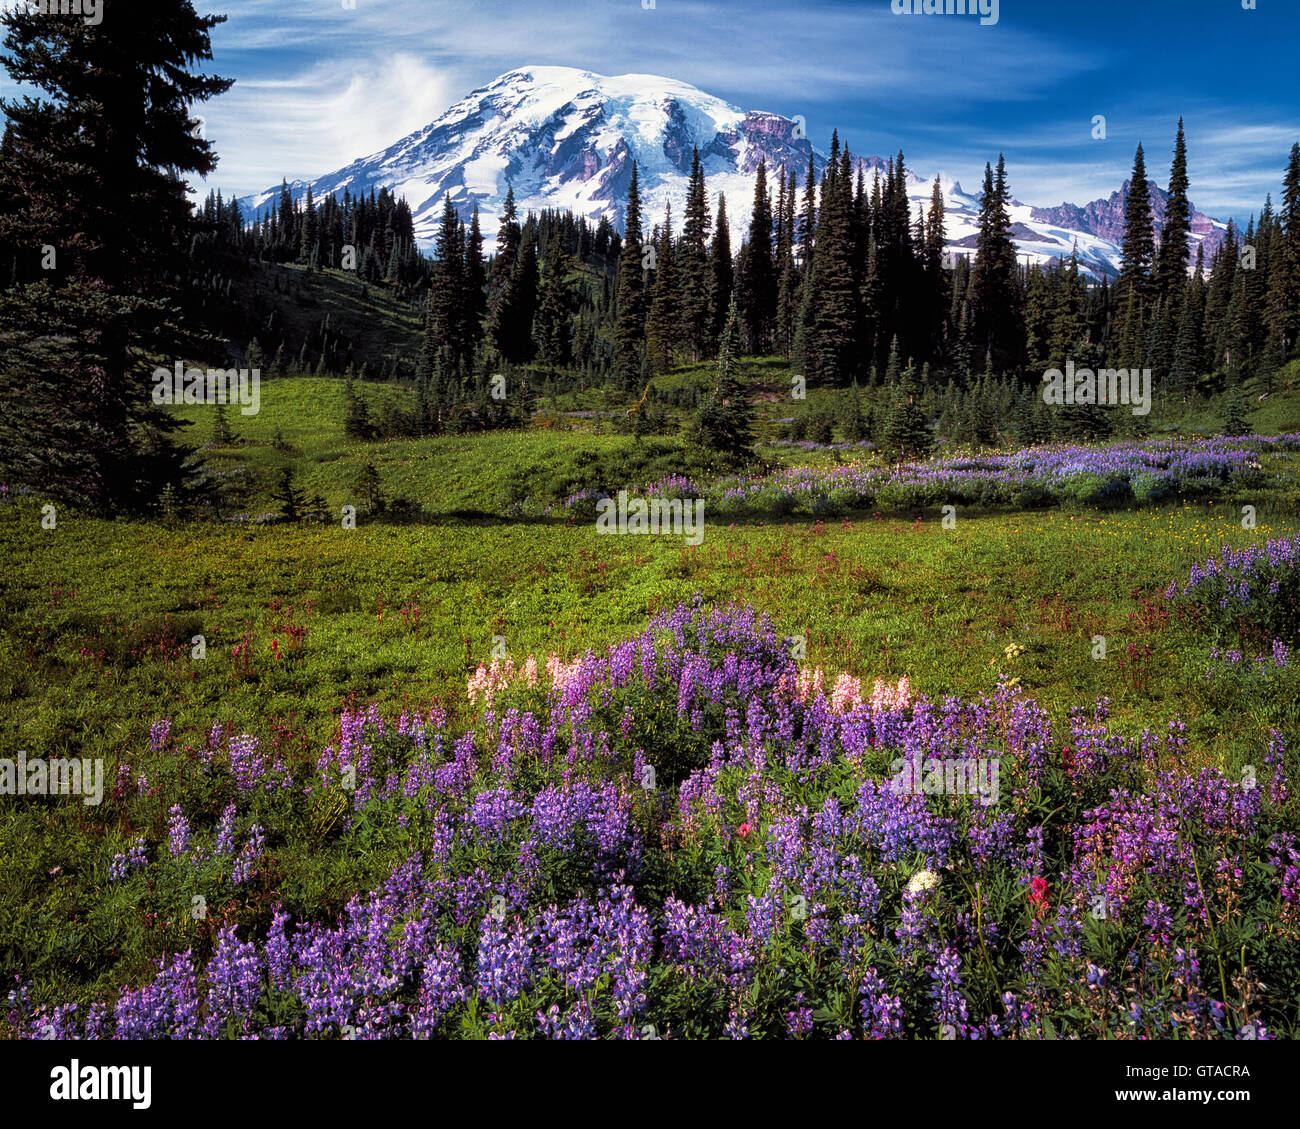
column 374, row 325
column 477, row 473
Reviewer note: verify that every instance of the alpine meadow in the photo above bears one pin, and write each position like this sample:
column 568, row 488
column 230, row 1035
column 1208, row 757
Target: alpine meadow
column 613, row 564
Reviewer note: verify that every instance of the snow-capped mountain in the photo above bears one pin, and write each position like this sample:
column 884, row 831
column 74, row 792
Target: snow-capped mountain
column 566, row 138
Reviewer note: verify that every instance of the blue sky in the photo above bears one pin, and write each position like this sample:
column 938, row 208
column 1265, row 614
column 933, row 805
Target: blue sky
column 319, row 84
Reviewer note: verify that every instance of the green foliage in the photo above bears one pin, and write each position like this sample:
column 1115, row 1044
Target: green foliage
column 906, row 431
column 356, row 420
column 289, row 496
column 1236, row 415
column 724, row 424
column 221, row 433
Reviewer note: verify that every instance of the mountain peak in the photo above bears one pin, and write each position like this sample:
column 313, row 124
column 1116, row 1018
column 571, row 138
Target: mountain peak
column 566, row 138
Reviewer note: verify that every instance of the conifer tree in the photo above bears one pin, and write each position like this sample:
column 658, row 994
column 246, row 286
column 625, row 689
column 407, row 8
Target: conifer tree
column 984, row 413
column 693, row 270
column 835, row 352
column 94, row 169
column 906, row 432
column 310, row 228
column 1025, row 426
column 1223, row 278
column 356, row 418
column 1187, row 347
column 1137, row 255
column 852, row 422
column 508, row 236
column 476, row 298
column 996, row 325
column 936, row 296
column 757, row 284
column 787, row 286
column 369, row 487
column 893, row 370
column 1284, row 267
column 288, row 495
column 446, row 312
column 1236, row 414
column 724, row 423
column 1171, row 266
column 512, row 325
column 723, row 279
column 1039, row 311
column 663, row 325
column 221, row 433
column 629, row 325
column 871, row 311
column 552, row 326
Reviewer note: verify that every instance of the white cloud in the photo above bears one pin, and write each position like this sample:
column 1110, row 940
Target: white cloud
column 322, row 118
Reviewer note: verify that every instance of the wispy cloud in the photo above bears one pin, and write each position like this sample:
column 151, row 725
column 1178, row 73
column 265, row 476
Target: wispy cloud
column 322, row 117
column 757, row 57
column 319, row 85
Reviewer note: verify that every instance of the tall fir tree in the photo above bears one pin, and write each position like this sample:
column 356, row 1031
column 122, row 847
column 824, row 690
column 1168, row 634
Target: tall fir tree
column 936, row 297
column 1171, row 264
column 663, row 325
column 508, row 235
column 307, row 247
column 512, row 324
column 553, row 323
column 757, row 289
column 724, row 424
column 1283, row 314
column 629, row 325
column 446, row 312
column 476, row 297
column 787, row 285
column 1137, row 256
column 835, row 354
column 997, row 324
column 93, row 173
column 694, row 273
column 723, row 281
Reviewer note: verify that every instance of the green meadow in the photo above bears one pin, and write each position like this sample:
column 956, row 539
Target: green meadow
column 273, row 628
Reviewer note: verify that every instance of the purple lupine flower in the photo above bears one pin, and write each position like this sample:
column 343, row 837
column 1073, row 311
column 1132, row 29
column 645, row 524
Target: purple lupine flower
column 158, row 734
column 234, row 976
column 178, row 830
column 882, row 1013
column 248, row 857
column 1159, row 920
column 799, row 1020
column 122, row 865
column 949, row 1005
column 226, row 831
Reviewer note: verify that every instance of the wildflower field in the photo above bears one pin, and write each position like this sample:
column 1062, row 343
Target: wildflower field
column 872, row 776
